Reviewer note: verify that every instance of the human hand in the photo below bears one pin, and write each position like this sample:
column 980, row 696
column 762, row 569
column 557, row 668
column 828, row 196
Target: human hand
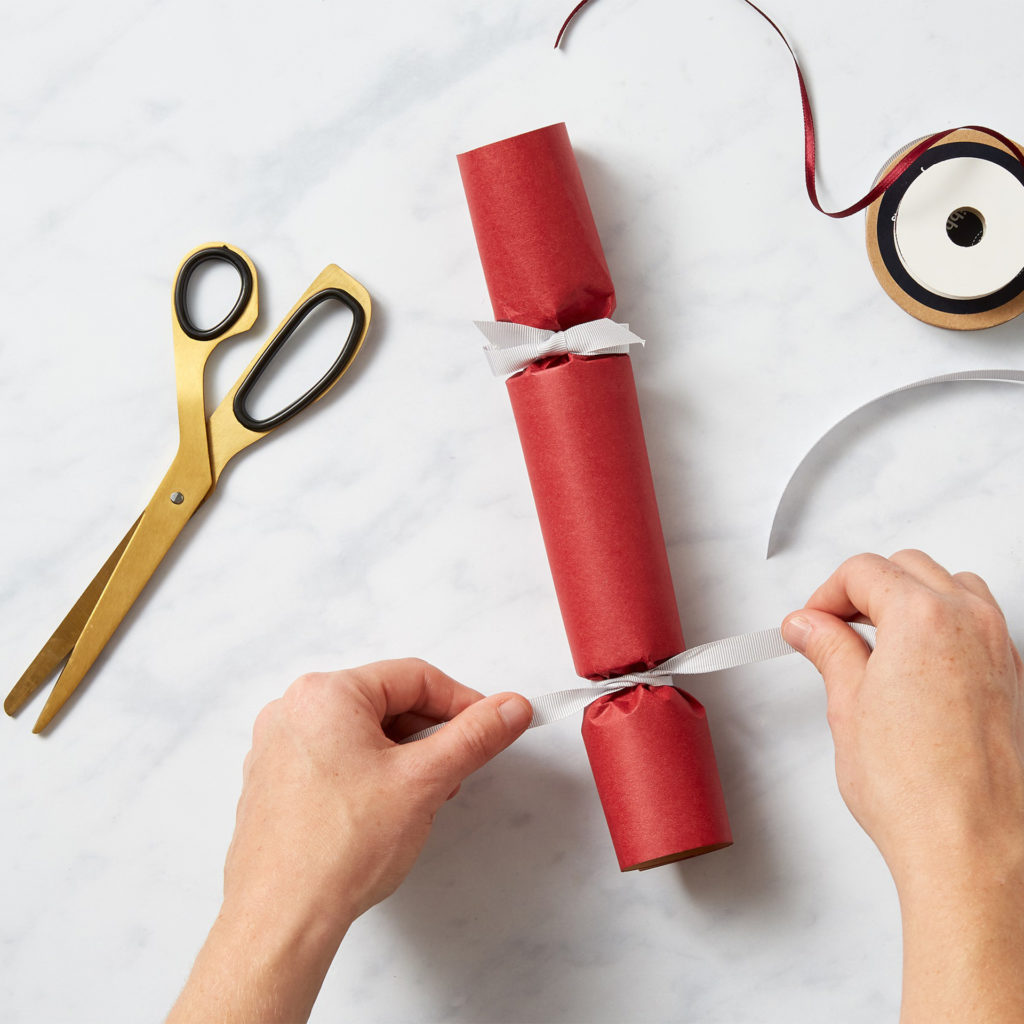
column 332, row 815
column 929, row 741
column 928, row 730
column 333, row 810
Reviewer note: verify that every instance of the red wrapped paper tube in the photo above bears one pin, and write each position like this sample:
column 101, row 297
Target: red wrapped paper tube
column 579, row 424
column 538, row 243
column 651, row 755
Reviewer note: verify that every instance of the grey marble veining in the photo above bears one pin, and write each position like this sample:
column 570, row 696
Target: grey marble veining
column 396, row 518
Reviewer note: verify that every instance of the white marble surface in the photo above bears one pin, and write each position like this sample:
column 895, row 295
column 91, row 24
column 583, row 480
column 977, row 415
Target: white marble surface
column 397, row 518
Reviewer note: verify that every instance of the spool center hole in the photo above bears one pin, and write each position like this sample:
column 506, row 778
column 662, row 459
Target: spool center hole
column 965, row 226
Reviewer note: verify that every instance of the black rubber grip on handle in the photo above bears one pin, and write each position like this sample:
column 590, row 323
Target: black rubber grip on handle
column 218, row 254
column 326, row 382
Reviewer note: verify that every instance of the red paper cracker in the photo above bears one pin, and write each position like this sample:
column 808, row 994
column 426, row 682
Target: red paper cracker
column 651, row 755
column 579, row 425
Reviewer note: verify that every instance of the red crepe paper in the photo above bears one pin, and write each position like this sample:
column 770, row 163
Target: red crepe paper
column 537, row 239
column 579, row 424
column 652, row 759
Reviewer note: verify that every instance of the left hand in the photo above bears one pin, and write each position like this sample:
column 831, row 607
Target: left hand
column 334, row 812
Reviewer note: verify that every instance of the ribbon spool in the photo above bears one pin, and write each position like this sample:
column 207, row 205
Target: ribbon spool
column 946, row 240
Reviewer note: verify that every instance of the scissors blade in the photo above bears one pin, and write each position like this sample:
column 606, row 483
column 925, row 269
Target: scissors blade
column 57, row 648
column 151, row 539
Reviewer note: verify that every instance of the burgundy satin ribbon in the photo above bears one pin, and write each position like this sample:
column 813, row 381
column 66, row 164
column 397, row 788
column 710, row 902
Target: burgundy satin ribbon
column 809, row 146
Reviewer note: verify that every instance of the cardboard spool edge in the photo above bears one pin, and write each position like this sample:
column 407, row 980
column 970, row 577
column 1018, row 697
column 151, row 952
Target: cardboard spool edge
column 935, row 317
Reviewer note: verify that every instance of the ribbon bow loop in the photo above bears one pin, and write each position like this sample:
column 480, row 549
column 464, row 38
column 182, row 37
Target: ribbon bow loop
column 512, row 347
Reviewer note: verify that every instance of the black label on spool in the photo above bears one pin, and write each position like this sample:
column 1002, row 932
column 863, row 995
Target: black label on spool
column 886, row 229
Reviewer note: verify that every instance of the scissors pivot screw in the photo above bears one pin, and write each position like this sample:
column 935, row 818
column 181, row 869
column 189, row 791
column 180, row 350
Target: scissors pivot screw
column 177, row 497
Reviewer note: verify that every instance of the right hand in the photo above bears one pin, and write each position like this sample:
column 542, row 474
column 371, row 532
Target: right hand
column 928, row 729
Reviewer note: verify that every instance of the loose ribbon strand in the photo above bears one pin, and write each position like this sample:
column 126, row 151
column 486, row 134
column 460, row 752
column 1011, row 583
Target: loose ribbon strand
column 810, row 171
column 716, row 656
column 782, row 509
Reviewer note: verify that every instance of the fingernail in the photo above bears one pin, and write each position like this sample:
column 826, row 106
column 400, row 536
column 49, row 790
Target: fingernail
column 516, row 712
column 795, row 632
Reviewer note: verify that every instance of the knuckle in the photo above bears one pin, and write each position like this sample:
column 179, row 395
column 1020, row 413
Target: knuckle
column 419, row 664
column 865, row 565
column 870, row 558
column 861, row 561
column 374, row 671
column 928, row 610
column 989, row 621
column 305, row 683
column 418, row 773
column 311, row 689
column 826, row 645
column 264, row 719
column 419, row 668
column 475, row 741
column 967, row 579
column 906, row 553
column 424, row 778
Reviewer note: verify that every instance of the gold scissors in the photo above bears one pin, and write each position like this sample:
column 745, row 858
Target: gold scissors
column 205, row 447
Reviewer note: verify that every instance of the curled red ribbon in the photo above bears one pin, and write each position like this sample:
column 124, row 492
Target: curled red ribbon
column 809, row 146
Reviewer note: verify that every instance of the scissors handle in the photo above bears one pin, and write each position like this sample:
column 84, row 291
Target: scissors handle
column 280, row 339
column 232, row 427
column 211, row 254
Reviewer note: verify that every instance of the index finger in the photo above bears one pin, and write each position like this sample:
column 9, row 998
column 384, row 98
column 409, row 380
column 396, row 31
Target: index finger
column 412, row 685
column 866, row 584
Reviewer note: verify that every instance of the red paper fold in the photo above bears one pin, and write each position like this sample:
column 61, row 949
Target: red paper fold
column 651, row 755
column 582, row 437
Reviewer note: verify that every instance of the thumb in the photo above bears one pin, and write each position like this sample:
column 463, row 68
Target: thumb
column 474, row 736
column 829, row 643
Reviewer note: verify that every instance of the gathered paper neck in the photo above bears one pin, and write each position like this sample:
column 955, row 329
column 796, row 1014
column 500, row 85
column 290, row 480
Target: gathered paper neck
column 512, row 347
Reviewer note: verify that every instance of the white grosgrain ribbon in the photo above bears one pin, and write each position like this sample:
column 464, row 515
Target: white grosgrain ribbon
column 783, row 511
column 731, row 652
column 512, row 347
